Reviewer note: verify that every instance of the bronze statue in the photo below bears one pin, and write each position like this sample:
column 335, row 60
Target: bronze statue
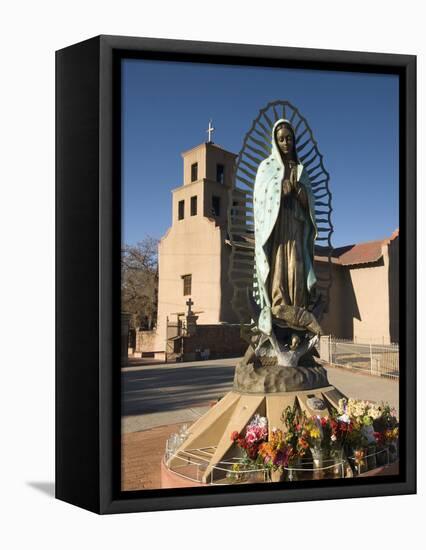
column 285, row 232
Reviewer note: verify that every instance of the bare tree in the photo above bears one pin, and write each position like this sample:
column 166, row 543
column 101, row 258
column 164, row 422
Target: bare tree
column 139, row 282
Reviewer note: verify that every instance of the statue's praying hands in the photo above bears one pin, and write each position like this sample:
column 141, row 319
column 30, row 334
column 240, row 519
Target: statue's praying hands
column 290, row 182
column 287, row 187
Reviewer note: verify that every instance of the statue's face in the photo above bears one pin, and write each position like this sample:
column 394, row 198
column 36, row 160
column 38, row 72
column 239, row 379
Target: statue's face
column 285, row 140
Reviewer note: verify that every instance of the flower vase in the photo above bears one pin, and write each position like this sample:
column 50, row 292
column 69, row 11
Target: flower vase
column 292, row 474
column 276, row 475
column 359, row 461
column 393, row 455
column 317, row 458
column 382, row 456
column 371, row 457
column 337, row 456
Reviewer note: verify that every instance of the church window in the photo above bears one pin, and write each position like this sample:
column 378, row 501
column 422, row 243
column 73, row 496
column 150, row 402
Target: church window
column 220, row 173
column 194, row 171
column 194, row 205
column 181, row 210
column 187, row 281
column 216, row 206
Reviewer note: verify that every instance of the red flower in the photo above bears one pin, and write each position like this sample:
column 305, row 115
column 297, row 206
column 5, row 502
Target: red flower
column 234, row 435
column 253, row 451
column 242, row 442
column 379, row 438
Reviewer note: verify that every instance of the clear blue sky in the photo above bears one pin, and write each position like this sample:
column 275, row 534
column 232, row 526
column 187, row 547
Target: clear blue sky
column 167, row 105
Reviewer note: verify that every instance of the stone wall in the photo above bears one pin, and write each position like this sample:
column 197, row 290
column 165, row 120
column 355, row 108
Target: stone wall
column 145, row 341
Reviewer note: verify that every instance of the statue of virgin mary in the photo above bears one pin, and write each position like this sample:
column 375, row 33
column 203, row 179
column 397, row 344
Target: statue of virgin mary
column 285, row 232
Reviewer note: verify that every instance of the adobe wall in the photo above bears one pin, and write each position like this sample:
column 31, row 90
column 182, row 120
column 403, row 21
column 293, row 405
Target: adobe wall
column 393, row 249
column 145, row 341
column 371, row 288
column 338, row 319
column 191, row 247
column 221, row 340
column 361, row 300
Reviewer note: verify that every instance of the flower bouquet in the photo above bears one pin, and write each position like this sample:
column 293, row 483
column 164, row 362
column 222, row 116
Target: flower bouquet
column 387, row 432
column 390, row 437
column 373, row 434
column 261, row 450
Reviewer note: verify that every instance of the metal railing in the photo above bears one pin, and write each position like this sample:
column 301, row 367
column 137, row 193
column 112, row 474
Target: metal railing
column 370, row 358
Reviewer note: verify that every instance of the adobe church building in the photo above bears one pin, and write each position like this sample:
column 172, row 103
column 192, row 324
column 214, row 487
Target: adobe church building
column 194, row 256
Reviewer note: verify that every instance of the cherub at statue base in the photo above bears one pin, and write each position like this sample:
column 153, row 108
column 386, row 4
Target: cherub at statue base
column 287, row 352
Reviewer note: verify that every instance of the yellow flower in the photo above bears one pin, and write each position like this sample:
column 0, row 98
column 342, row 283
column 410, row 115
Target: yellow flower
column 315, row 433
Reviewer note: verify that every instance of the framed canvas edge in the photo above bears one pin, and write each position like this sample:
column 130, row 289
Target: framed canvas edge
column 408, row 175
column 256, row 497
column 77, row 259
column 110, row 499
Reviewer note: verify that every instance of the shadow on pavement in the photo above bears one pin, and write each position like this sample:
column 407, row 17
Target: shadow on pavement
column 166, row 389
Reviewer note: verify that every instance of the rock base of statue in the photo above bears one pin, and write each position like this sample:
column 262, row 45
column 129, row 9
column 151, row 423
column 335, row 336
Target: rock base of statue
column 271, row 378
column 208, row 453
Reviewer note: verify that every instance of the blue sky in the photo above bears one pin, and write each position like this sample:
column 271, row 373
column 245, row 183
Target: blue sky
column 166, row 107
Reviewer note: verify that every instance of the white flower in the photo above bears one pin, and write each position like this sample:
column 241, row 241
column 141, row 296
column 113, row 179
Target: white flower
column 260, row 421
column 375, row 411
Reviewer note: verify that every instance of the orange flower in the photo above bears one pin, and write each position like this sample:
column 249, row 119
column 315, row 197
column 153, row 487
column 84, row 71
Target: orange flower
column 303, row 443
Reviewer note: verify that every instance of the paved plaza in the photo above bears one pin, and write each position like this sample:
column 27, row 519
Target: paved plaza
column 159, row 395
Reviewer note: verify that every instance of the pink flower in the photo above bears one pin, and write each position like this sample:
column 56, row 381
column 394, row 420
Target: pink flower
column 251, row 437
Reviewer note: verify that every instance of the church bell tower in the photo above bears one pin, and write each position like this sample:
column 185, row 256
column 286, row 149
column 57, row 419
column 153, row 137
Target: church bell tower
column 193, row 255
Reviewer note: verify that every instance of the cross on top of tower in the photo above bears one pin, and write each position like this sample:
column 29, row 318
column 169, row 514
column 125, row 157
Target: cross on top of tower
column 210, row 130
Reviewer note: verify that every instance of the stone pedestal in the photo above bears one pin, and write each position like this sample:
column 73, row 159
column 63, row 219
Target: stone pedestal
column 255, row 391
column 274, row 378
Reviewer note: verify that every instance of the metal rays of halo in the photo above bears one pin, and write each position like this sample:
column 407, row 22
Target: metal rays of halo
column 256, row 147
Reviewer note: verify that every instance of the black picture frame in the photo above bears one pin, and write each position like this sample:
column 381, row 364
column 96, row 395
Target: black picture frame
column 88, row 207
